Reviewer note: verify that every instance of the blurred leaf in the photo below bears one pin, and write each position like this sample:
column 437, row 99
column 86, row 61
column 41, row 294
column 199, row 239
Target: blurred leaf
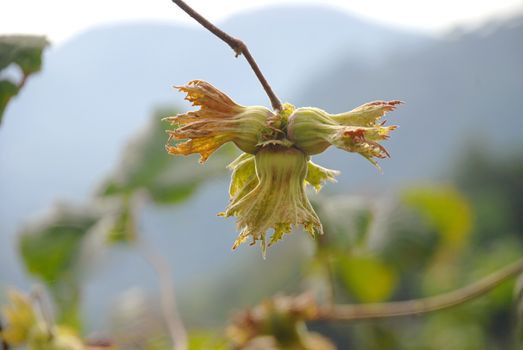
column 50, row 247
column 143, row 159
column 23, row 50
column 375, row 336
column 444, row 208
column 124, row 228
column 20, row 317
column 406, row 242
column 449, row 331
column 63, row 338
column 366, row 277
column 201, row 340
column 66, row 295
column 494, row 183
column 7, row 90
column 50, row 250
column 176, row 188
column 346, row 221
column 167, row 179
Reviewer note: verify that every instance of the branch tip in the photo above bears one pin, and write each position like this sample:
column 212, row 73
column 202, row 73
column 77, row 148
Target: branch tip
column 239, row 48
column 422, row 305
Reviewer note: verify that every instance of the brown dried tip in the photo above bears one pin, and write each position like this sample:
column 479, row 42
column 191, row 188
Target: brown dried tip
column 218, row 121
column 204, row 94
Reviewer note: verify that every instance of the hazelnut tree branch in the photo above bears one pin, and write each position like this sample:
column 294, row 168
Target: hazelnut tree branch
column 423, row 305
column 238, row 47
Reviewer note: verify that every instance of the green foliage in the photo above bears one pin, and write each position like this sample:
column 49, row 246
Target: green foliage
column 445, row 209
column 366, row 277
column 51, row 249
column 346, row 221
column 363, row 276
column 448, row 213
column 452, row 332
column 7, row 90
column 146, row 167
column 201, row 340
column 495, row 185
column 23, row 51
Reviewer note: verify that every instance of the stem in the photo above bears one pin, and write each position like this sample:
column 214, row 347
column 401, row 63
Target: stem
column 331, row 281
column 239, row 48
column 171, row 314
column 44, row 308
column 423, row 305
column 22, row 82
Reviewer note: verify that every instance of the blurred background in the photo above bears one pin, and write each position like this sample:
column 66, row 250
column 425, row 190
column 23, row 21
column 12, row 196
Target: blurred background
column 83, row 174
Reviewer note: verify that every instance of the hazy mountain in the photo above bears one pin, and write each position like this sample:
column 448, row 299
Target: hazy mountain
column 461, row 89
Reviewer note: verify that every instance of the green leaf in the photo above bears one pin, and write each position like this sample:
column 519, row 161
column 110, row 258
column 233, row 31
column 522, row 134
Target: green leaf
column 445, row 209
column 167, row 179
column 7, row 90
column 165, row 193
column 50, row 247
column 50, row 250
column 23, row 50
column 143, row 159
column 366, row 277
column 346, row 222
column 205, row 340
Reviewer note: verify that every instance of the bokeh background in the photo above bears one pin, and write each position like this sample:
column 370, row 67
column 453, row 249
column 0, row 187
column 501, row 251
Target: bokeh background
column 84, row 139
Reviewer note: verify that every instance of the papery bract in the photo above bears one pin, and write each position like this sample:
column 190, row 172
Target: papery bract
column 313, row 130
column 275, row 199
column 218, row 121
column 272, row 178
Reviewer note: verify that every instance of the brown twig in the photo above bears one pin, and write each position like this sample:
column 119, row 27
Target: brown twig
column 424, row 305
column 239, row 48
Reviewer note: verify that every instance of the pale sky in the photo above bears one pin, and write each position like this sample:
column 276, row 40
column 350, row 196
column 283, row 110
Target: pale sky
column 61, row 19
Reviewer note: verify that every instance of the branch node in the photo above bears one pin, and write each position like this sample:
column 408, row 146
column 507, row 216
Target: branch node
column 239, row 47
